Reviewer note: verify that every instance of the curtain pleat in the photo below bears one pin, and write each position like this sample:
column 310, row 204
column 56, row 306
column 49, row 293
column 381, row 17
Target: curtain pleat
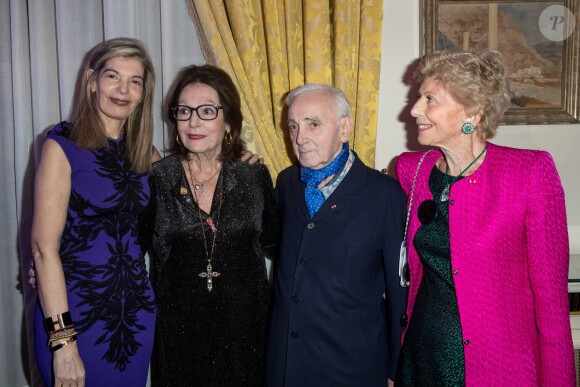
column 295, row 43
column 318, row 50
column 369, row 69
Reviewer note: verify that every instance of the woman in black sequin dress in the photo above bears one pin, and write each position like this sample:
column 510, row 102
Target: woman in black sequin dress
column 213, row 220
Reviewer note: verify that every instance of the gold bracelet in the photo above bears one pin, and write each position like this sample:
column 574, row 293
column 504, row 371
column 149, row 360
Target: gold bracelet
column 63, row 320
column 62, row 334
column 62, row 344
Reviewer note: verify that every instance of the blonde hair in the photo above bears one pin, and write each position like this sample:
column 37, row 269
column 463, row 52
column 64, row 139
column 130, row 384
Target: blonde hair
column 478, row 81
column 88, row 131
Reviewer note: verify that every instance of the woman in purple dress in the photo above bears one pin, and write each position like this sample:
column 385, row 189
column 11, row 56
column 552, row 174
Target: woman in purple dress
column 95, row 317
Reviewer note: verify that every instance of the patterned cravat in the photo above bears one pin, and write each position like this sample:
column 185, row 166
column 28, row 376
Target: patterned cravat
column 313, row 177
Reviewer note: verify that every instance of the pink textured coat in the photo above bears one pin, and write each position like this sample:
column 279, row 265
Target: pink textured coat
column 509, row 257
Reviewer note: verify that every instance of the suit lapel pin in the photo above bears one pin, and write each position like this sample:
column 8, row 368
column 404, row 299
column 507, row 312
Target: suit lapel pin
column 183, row 191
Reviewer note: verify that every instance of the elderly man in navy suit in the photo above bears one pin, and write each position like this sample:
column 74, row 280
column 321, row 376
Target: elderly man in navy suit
column 337, row 311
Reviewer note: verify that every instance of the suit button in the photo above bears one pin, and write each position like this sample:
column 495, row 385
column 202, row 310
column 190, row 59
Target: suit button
column 303, row 261
column 465, row 342
column 294, row 335
column 451, row 201
column 310, row 226
column 455, row 272
column 404, row 320
column 295, row 299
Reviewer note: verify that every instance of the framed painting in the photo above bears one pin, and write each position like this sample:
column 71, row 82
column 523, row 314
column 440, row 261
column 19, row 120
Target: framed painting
column 540, row 42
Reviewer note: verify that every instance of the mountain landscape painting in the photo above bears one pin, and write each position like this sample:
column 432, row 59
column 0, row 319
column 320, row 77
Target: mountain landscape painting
column 534, row 62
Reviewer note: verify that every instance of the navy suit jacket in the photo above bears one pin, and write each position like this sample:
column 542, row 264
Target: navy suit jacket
column 329, row 324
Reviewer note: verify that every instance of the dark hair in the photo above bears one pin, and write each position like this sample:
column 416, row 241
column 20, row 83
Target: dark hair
column 478, row 81
column 88, row 131
column 229, row 99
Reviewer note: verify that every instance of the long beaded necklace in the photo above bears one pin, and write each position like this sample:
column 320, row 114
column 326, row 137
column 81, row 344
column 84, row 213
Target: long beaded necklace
column 445, row 194
column 209, row 274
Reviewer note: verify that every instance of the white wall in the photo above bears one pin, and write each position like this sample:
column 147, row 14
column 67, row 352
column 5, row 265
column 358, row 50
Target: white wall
column 396, row 131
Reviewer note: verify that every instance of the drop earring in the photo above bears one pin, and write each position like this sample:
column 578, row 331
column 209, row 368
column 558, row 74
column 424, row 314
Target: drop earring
column 467, row 127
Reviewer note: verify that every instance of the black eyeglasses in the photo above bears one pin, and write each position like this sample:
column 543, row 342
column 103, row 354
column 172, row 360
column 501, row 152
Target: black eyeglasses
column 427, row 211
column 204, row 112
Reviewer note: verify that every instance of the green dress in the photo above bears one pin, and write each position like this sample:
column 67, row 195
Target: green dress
column 432, row 353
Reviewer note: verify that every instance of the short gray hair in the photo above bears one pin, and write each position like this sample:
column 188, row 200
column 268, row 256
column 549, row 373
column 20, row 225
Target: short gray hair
column 342, row 105
column 476, row 80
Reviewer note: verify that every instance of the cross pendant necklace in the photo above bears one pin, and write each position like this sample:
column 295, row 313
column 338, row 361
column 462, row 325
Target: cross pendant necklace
column 209, row 274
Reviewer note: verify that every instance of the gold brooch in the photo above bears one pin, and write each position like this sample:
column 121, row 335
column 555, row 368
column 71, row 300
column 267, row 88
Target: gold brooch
column 183, row 191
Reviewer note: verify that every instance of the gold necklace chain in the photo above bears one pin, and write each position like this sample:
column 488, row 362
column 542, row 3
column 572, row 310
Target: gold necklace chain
column 208, row 273
column 199, row 185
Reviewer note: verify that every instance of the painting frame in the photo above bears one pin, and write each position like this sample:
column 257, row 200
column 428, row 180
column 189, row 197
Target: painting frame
column 568, row 110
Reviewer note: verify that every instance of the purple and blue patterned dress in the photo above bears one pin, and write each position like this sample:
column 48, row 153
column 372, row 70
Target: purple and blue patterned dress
column 109, row 294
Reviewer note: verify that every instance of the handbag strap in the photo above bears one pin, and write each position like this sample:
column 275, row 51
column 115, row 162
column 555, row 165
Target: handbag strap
column 413, row 191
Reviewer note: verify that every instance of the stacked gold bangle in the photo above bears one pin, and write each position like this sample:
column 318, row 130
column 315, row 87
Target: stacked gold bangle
column 61, row 334
column 60, row 327
column 63, row 343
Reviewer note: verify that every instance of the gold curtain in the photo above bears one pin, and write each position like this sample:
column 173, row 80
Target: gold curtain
column 272, row 46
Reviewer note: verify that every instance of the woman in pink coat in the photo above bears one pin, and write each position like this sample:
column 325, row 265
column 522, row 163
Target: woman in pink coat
column 487, row 239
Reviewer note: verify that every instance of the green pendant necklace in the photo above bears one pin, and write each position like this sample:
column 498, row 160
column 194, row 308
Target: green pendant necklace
column 445, row 194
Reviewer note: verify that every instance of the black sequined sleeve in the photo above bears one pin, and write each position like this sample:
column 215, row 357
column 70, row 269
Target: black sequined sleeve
column 270, row 220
